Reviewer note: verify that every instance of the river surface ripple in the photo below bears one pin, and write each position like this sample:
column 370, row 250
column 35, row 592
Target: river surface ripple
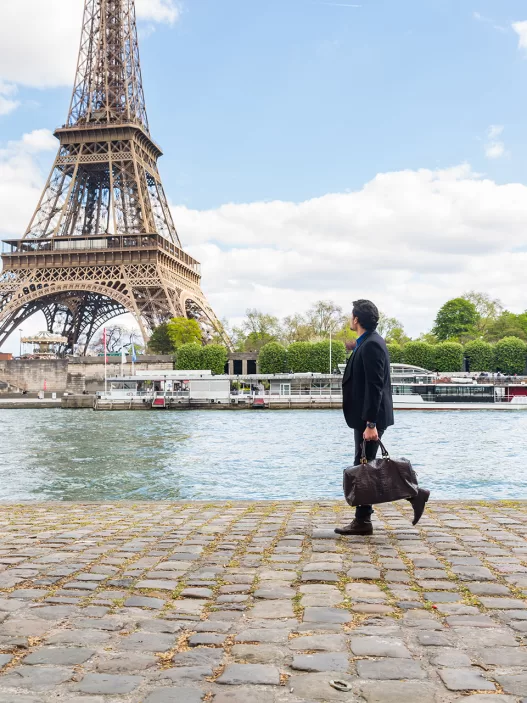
column 82, row 455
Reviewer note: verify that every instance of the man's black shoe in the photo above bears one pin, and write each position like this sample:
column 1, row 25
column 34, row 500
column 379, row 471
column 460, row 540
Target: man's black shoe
column 419, row 503
column 357, row 527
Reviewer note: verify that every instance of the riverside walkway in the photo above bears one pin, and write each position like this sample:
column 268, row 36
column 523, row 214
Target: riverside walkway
column 261, row 603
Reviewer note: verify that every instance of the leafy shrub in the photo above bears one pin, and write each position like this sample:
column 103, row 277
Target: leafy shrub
column 509, row 355
column 214, row 357
column 299, row 357
column 448, row 357
column 419, row 354
column 320, row 356
column 188, row 357
column 272, row 358
column 480, row 355
column 396, row 353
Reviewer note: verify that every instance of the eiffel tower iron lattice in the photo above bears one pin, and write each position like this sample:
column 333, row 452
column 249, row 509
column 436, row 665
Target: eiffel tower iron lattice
column 102, row 241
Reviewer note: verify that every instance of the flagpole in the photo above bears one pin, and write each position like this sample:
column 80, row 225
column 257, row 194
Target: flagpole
column 123, row 361
column 105, row 363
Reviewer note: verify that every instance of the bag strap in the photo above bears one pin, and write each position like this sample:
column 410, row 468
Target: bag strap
column 385, row 454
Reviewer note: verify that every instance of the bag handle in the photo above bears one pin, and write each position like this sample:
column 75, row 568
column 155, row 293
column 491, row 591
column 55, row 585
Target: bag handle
column 384, row 451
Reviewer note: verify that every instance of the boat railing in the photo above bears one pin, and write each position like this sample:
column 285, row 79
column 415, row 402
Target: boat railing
column 457, row 397
column 305, row 393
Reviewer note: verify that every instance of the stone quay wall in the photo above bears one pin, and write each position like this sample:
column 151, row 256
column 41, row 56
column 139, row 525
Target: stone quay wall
column 74, row 375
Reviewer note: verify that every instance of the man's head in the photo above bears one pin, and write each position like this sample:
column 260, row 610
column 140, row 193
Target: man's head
column 365, row 316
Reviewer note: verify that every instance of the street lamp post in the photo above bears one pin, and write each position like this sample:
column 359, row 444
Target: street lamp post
column 20, row 338
column 330, row 352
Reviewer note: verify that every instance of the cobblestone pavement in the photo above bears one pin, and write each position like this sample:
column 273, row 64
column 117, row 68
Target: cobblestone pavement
column 261, row 603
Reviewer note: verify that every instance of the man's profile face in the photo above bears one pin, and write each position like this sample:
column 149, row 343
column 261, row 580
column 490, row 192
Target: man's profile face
column 354, row 323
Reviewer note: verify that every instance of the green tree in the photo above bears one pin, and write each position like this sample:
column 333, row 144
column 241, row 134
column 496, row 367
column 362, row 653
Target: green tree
column 391, row 329
column 398, row 336
column 272, row 358
column 480, row 355
column 448, row 357
column 489, row 309
column 427, row 337
column 188, row 357
column 181, row 331
column 320, row 356
column 299, row 357
column 257, row 330
column 456, row 319
column 296, row 328
column 508, row 325
column 325, row 317
column 510, row 355
column 419, row 354
column 160, row 342
column 214, row 357
column 396, row 353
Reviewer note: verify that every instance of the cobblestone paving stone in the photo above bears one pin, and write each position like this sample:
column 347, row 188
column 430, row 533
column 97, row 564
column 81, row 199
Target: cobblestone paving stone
column 262, row 603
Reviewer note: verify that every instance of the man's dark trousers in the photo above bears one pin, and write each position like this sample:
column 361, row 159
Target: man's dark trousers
column 364, row 512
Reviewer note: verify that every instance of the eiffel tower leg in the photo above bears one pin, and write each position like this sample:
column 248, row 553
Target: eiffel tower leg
column 78, row 317
column 12, row 322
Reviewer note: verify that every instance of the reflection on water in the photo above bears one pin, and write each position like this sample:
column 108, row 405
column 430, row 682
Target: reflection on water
column 86, row 455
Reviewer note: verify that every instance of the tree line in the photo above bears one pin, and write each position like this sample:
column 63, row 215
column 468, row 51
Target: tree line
column 473, row 327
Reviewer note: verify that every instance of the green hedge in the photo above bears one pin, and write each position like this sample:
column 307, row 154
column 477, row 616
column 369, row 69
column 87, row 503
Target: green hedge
column 419, row 354
column 448, row 357
column 480, row 355
column 299, row 357
column 188, row 357
column 396, row 353
column 320, row 356
column 509, row 355
column 214, row 357
column 272, row 358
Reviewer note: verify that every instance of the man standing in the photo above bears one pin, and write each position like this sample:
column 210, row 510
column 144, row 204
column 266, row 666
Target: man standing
column 368, row 404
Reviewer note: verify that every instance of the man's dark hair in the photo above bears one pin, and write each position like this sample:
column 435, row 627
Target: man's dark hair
column 367, row 314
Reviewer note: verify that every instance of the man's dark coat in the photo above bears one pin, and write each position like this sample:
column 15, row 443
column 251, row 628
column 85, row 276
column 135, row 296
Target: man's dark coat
column 366, row 385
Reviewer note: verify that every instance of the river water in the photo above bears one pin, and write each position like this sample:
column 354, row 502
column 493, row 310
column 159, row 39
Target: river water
column 212, row 455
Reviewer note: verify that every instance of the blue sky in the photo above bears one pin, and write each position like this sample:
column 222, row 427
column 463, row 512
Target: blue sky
column 290, row 99
column 313, row 149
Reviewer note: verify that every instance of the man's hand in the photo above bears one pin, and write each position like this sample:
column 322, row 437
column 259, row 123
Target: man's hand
column 371, row 435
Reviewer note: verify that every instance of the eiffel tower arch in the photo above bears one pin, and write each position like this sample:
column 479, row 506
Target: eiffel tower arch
column 102, row 241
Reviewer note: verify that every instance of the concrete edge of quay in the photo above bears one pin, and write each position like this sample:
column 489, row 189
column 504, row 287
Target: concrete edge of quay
column 509, row 503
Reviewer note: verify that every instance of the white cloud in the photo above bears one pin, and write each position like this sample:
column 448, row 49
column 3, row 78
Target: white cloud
column 521, row 30
column 7, row 91
column 494, row 147
column 21, row 179
column 495, row 150
column 167, row 11
column 39, row 39
column 409, row 240
column 494, row 131
column 487, row 20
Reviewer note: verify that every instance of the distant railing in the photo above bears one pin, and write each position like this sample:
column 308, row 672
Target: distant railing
column 462, row 398
column 99, row 243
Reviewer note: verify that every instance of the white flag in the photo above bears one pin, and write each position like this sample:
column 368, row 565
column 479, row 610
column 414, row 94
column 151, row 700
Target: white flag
column 123, row 356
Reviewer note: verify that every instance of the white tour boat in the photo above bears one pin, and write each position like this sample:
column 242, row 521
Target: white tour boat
column 415, row 388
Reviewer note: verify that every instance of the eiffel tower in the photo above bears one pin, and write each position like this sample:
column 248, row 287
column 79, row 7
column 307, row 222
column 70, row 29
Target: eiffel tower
column 102, row 241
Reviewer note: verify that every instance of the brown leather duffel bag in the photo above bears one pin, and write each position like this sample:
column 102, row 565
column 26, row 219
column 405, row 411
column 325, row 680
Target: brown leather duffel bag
column 379, row 481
